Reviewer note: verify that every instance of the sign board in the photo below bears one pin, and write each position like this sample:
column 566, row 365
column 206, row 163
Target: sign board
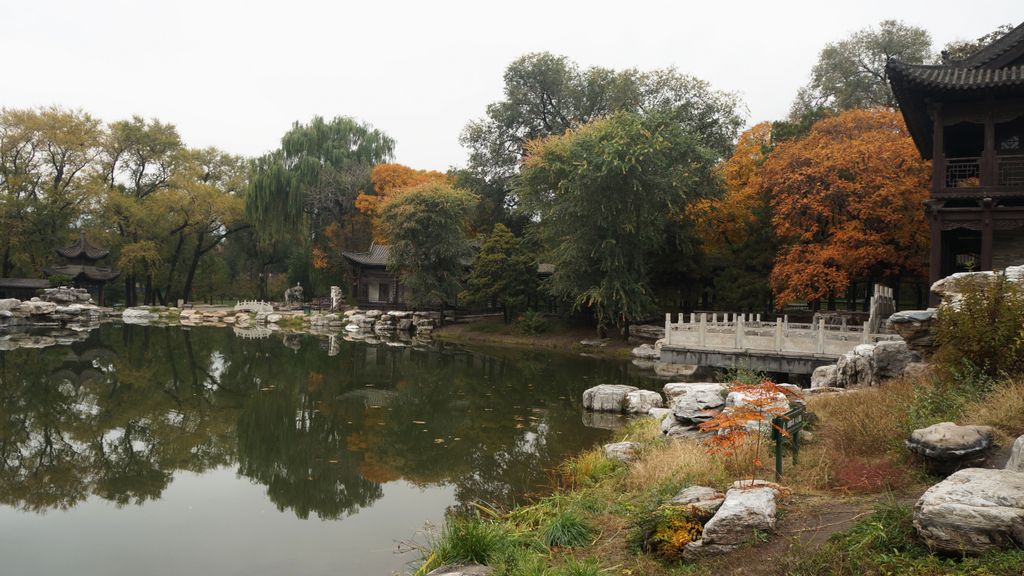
column 792, row 422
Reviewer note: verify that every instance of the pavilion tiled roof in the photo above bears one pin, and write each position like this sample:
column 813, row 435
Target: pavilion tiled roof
column 954, row 78
column 377, row 255
column 82, row 249
column 75, row 271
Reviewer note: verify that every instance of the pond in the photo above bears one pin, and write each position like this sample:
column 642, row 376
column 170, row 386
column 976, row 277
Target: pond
column 147, row 450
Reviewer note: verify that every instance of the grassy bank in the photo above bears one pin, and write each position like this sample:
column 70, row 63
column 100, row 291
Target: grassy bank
column 556, row 334
column 855, row 482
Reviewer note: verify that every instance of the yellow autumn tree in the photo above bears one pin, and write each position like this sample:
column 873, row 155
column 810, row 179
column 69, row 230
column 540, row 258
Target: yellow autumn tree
column 389, row 180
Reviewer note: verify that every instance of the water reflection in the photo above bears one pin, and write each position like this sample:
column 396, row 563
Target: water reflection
column 321, row 424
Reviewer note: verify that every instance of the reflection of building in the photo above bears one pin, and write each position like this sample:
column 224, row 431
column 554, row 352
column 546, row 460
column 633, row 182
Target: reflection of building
column 82, row 269
column 967, row 116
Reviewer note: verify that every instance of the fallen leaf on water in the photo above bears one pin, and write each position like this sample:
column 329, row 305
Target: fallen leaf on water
column 419, row 422
column 438, row 440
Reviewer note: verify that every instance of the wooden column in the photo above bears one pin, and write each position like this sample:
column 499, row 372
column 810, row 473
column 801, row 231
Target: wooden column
column 935, row 249
column 986, row 234
column 938, row 155
column 988, row 159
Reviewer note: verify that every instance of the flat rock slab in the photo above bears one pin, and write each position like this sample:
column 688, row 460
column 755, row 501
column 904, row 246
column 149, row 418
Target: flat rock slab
column 975, row 510
column 743, row 511
column 607, row 397
column 948, row 446
column 461, row 570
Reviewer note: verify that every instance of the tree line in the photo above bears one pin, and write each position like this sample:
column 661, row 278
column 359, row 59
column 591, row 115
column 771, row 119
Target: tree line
column 639, row 191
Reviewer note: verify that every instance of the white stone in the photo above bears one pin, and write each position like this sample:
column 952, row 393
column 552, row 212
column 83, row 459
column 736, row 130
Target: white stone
column 645, row 352
column 621, row 451
column 703, row 498
column 641, row 401
column 139, row 315
column 461, row 570
column 772, row 403
column 824, row 376
column 695, row 402
column 949, row 441
column 743, row 511
column 975, row 510
column 9, row 304
column 891, row 358
column 856, row 368
column 659, row 413
column 274, row 318
column 607, row 397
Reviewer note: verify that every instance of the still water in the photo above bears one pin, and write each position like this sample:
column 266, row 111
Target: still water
column 164, row 451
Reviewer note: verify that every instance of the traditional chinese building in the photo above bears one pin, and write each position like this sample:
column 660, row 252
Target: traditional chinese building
column 967, row 116
column 81, row 267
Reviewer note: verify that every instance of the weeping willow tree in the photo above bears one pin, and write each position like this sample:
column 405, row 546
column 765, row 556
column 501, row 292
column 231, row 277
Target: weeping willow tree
column 312, row 180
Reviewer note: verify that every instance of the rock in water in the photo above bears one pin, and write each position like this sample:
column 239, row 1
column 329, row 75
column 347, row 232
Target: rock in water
column 1016, row 461
column 743, row 511
column 976, row 510
column 947, row 447
column 695, row 402
column 607, row 397
column 641, row 401
column 461, row 570
column 621, row 451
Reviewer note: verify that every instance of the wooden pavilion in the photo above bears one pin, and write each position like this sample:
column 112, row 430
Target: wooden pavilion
column 82, row 268
column 967, row 116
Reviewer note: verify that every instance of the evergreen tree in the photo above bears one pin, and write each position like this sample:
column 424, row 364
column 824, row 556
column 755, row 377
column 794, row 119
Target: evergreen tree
column 504, row 272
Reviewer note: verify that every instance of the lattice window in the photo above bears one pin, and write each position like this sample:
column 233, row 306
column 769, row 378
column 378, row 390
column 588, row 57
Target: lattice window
column 963, row 172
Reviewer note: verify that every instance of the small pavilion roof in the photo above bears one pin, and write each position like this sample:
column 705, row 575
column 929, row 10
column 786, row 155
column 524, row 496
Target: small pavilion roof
column 83, row 249
column 79, row 271
column 376, row 255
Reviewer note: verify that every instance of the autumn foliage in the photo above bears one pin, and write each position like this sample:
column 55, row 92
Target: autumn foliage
column 390, row 180
column 846, row 202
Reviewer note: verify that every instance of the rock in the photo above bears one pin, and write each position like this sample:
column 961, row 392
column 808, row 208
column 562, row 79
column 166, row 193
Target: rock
column 947, row 447
column 743, row 511
column 891, row 358
column 704, row 499
column 646, row 333
column 641, row 401
column 659, row 413
column 822, row 390
column 698, row 549
column 695, row 402
column 1016, row 461
column 758, row 483
column 915, row 327
column 669, row 370
column 7, row 304
column 777, row 401
column 950, row 289
column 824, row 376
column 138, row 315
column 372, row 314
column 856, row 368
column 274, row 318
column 594, row 343
column 621, row 451
column 461, row 570
column 36, row 307
column 674, row 429
column 976, row 510
column 607, row 397
column 916, row 369
column 645, row 352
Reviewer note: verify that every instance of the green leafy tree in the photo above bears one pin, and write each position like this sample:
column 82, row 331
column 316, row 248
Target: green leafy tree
column 960, row 49
column 604, row 195
column 425, row 228
column 547, row 94
column 504, row 271
column 851, row 73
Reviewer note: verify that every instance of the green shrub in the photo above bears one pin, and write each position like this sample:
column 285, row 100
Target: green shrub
column 470, row 540
column 986, row 329
column 531, row 323
column 944, row 398
column 567, row 529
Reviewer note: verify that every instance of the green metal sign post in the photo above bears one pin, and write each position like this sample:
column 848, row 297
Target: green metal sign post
column 791, row 423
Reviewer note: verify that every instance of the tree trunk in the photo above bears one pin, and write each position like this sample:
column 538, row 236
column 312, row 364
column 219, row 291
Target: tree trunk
column 174, row 264
column 186, row 292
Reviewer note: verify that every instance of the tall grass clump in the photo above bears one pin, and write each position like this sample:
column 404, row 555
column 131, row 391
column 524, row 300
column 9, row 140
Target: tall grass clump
column 567, row 530
column 469, row 540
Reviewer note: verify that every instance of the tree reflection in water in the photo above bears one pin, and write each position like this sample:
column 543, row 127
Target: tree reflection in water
column 116, row 416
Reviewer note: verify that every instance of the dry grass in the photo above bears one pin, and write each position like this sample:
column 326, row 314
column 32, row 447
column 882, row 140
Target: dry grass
column 1003, row 409
column 866, row 422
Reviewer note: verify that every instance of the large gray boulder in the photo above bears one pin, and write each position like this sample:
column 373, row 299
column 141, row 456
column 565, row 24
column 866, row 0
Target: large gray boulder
column 950, row 289
column 645, row 352
column 607, row 397
column 1016, row 461
column 7, row 304
column 642, row 401
column 743, row 511
column 947, row 446
column 915, row 327
column 856, row 368
column 976, row 510
column 695, row 402
column 891, row 358
column 824, row 376
column 461, row 570
column 36, row 308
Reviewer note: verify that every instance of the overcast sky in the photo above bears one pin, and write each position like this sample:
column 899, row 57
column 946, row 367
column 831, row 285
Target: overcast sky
column 236, row 74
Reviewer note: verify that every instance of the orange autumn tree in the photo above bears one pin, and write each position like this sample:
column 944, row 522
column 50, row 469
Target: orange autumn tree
column 846, row 202
column 390, row 180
